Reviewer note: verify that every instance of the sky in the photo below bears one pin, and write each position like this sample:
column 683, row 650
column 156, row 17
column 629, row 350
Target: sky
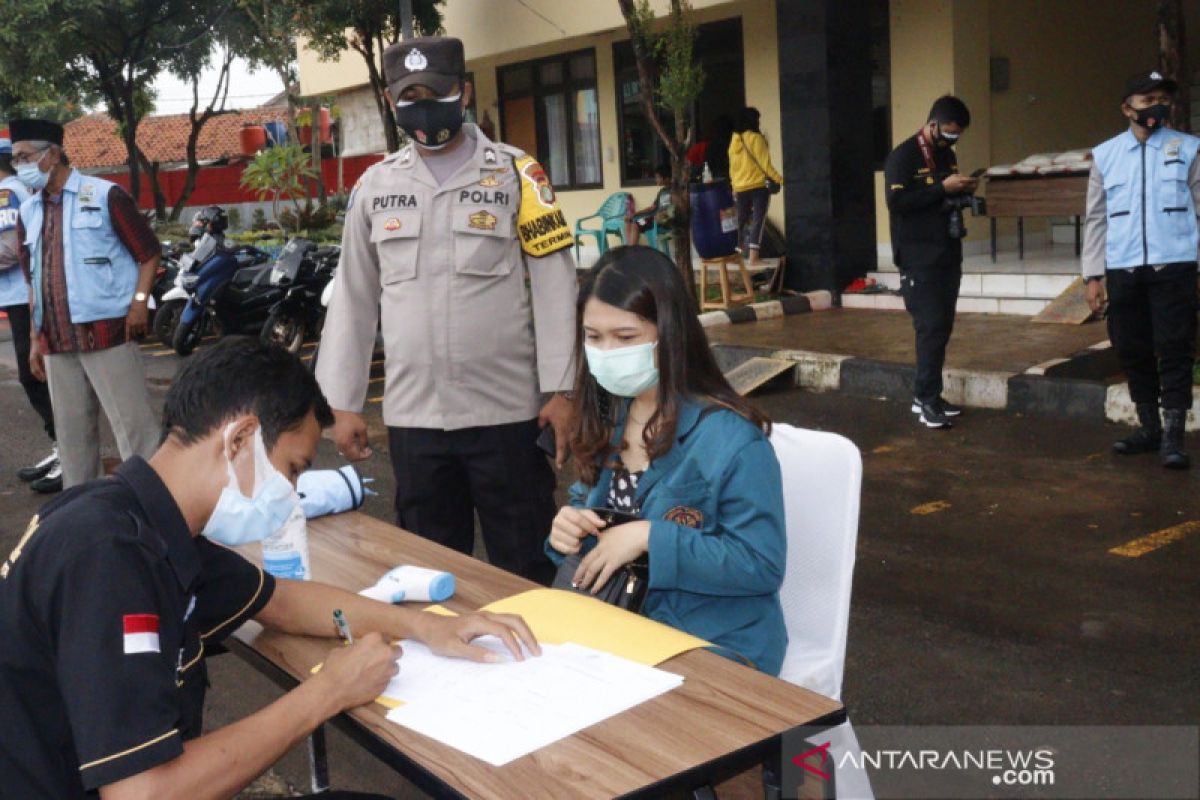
column 247, row 89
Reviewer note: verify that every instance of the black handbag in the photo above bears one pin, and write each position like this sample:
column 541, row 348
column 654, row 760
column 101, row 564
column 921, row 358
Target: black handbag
column 628, row 585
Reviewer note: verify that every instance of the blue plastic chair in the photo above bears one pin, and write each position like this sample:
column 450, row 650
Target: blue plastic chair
column 612, row 220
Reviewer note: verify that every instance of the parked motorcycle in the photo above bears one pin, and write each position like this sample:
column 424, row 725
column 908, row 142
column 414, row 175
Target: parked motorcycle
column 303, row 271
column 214, row 280
column 326, row 296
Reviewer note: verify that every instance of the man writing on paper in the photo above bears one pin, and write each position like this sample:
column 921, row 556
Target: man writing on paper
column 117, row 587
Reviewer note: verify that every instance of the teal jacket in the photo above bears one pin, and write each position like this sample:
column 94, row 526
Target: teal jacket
column 717, row 538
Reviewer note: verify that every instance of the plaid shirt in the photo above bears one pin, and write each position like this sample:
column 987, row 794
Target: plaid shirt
column 58, row 334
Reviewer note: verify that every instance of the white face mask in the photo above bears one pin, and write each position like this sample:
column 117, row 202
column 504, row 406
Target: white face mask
column 623, row 371
column 31, row 174
column 239, row 519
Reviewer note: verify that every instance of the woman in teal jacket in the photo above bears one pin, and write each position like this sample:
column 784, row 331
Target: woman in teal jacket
column 660, row 433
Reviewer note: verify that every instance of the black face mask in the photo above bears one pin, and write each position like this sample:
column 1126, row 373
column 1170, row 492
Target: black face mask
column 1152, row 118
column 431, row 123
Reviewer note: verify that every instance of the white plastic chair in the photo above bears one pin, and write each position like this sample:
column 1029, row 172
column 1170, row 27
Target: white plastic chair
column 822, row 482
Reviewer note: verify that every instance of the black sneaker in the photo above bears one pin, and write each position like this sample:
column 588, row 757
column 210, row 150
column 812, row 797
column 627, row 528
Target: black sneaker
column 51, row 482
column 948, row 408
column 945, row 406
column 40, row 469
column 931, row 415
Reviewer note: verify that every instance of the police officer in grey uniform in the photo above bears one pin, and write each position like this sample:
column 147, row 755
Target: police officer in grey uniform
column 439, row 238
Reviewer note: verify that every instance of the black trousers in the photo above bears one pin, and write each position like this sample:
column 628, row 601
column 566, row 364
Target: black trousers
column 930, row 295
column 444, row 477
column 37, row 392
column 1152, row 325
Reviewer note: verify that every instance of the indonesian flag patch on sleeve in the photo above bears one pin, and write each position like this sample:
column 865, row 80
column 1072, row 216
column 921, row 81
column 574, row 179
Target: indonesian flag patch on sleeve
column 141, row 633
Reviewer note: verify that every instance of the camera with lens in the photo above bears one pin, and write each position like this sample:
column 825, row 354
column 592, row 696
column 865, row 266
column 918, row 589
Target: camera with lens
column 955, row 205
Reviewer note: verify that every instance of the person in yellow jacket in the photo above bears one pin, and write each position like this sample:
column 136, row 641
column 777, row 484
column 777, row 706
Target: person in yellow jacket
column 754, row 180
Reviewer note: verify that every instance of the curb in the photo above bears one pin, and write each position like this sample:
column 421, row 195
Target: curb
column 770, row 309
column 1061, row 387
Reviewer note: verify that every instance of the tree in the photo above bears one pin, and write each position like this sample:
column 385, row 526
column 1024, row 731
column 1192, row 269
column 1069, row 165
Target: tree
column 279, row 171
column 372, row 26
column 668, row 72
column 198, row 119
column 115, row 49
column 272, row 26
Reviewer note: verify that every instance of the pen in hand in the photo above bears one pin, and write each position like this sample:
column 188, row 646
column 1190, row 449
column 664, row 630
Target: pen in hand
column 343, row 628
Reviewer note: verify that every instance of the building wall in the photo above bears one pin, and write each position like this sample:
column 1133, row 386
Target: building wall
column 498, row 34
column 1068, row 63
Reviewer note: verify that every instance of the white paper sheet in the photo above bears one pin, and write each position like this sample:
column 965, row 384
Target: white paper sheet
column 500, row 712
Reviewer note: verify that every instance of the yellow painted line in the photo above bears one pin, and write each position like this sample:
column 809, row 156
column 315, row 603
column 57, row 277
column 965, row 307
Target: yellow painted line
column 884, row 448
column 1151, row 542
column 375, row 380
column 162, row 353
column 930, row 508
column 376, row 399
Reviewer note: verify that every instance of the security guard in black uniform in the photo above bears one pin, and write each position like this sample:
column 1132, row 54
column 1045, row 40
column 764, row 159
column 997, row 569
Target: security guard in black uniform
column 922, row 180
column 112, row 597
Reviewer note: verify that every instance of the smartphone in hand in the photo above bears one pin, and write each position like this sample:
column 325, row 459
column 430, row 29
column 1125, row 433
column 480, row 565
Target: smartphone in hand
column 546, row 442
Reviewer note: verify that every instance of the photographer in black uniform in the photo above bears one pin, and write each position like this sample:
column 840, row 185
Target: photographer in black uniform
column 926, row 196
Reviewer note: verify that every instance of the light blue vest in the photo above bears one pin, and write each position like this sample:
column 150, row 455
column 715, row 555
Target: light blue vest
column 1151, row 215
column 101, row 273
column 13, row 289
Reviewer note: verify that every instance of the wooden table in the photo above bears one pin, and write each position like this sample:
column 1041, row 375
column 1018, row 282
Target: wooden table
column 1023, row 196
column 723, row 720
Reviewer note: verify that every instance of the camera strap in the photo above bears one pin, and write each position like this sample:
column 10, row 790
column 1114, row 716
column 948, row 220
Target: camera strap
column 926, row 149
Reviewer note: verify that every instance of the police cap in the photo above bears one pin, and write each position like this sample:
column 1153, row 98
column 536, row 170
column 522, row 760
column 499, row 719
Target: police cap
column 1146, row 82
column 433, row 61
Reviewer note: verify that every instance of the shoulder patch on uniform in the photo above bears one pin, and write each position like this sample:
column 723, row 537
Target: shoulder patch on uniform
column 541, row 225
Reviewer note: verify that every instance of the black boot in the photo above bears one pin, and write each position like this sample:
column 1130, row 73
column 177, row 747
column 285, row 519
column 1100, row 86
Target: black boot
column 1171, row 453
column 1145, row 439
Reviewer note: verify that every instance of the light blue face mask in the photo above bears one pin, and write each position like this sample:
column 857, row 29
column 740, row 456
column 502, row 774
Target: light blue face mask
column 238, row 519
column 624, row 371
column 32, row 176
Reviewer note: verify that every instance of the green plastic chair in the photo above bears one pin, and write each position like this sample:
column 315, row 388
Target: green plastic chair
column 659, row 238
column 612, row 220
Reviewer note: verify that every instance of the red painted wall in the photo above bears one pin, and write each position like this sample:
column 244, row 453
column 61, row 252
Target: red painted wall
column 220, row 185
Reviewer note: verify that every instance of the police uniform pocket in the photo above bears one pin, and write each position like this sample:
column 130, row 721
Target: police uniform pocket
column 397, row 239
column 1173, row 201
column 484, row 244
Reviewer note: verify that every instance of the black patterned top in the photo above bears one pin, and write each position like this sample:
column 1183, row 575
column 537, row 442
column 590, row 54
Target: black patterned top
column 622, row 491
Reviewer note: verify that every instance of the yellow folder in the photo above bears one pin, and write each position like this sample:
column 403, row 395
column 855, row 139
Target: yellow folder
column 556, row 616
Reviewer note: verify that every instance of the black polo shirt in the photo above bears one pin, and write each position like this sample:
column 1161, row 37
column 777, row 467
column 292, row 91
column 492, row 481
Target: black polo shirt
column 106, row 606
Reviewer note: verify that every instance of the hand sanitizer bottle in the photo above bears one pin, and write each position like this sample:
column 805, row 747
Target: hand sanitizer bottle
column 285, row 552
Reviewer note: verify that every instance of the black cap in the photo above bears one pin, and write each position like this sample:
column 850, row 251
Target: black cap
column 41, row 130
column 433, row 61
column 1145, row 82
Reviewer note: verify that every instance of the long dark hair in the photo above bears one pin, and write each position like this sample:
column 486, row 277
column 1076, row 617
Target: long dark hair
column 645, row 282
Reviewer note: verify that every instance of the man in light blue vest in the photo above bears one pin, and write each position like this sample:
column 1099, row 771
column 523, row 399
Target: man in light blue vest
column 1139, row 258
column 91, row 258
column 45, row 475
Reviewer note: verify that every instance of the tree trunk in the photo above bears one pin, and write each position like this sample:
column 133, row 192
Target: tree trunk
column 315, row 110
column 129, row 124
column 1172, row 60
column 160, row 199
column 676, row 146
column 366, row 48
column 193, row 169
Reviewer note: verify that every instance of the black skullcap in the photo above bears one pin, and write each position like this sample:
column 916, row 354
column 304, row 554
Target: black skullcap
column 42, row 130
